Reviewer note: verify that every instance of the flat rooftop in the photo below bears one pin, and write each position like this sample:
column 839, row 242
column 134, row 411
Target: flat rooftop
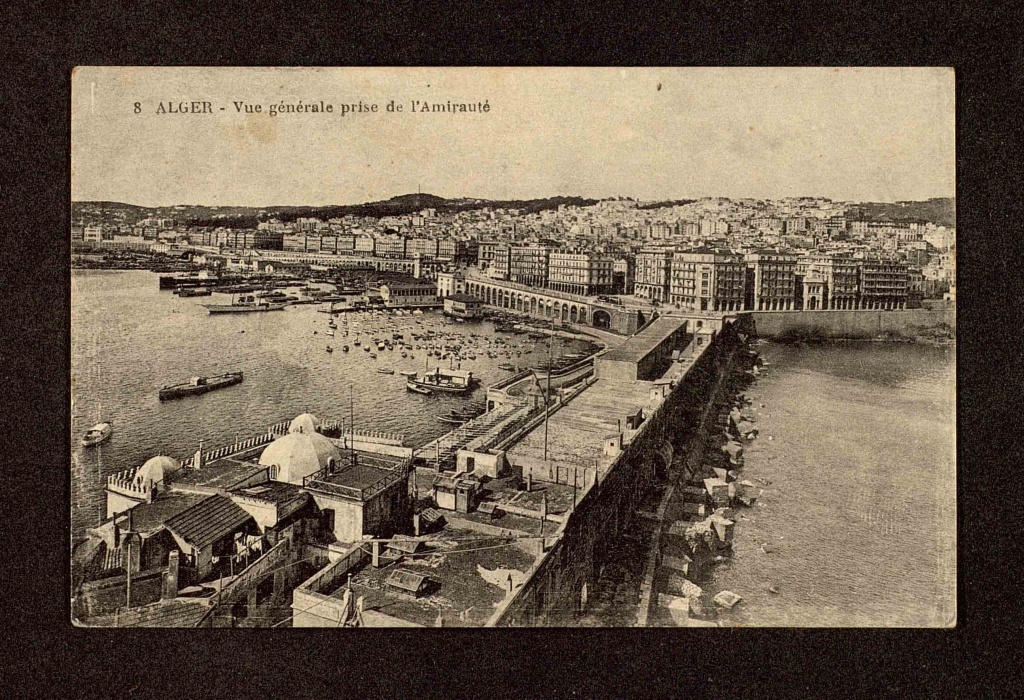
column 641, row 344
column 357, row 476
column 577, row 430
column 467, row 573
column 502, row 492
column 222, row 474
column 276, row 492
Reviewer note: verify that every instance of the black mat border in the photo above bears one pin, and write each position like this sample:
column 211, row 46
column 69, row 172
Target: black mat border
column 47, row 657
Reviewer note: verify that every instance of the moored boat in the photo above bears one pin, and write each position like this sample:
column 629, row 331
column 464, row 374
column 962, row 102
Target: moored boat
column 200, row 385
column 247, row 304
column 451, row 381
column 187, row 292
column 385, row 370
column 97, row 434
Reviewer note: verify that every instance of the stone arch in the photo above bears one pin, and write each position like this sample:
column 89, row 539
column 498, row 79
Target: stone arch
column 602, row 319
column 547, row 309
column 573, row 313
column 533, row 306
column 661, row 459
column 565, row 312
column 583, row 314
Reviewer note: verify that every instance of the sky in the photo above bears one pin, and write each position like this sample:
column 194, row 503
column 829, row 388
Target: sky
column 850, row 134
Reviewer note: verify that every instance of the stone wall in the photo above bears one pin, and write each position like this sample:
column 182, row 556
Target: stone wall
column 108, row 594
column 553, row 589
column 849, row 324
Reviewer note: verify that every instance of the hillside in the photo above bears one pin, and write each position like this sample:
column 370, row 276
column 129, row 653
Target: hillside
column 248, row 217
column 940, row 211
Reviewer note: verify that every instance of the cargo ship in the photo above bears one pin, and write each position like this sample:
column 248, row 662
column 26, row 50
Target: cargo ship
column 200, row 385
column 245, row 304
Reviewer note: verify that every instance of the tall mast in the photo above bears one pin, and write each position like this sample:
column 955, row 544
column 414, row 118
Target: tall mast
column 547, row 394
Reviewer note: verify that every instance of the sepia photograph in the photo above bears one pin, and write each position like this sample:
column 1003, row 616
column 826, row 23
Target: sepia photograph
column 513, row 347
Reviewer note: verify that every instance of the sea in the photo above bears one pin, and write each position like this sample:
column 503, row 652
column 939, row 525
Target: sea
column 856, row 454
column 128, row 339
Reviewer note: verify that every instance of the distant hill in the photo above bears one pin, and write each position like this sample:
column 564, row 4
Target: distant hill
column 249, row 217
column 666, row 203
column 940, row 211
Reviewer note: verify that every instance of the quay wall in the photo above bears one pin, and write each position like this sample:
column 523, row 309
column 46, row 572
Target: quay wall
column 847, row 323
column 556, row 588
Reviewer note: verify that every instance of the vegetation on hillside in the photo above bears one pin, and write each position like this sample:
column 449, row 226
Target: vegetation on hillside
column 940, row 211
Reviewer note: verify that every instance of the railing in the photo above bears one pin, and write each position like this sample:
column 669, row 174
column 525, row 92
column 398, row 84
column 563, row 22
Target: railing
column 126, row 483
column 240, row 446
column 329, row 575
column 257, row 569
column 376, row 436
column 316, row 482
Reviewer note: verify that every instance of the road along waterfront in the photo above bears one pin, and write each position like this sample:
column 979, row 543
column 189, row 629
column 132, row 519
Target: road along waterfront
column 858, row 518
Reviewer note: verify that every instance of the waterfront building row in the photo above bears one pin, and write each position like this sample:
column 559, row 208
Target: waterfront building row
column 769, row 280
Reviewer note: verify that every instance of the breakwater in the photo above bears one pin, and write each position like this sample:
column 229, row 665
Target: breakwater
column 846, row 324
column 561, row 583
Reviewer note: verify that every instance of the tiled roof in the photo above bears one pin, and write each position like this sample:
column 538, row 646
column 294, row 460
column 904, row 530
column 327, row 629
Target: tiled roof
column 208, row 521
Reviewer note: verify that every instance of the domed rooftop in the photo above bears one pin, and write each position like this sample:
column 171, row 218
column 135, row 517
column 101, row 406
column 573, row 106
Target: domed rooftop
column 298, row 454
column 304, row 423
column 156, row 468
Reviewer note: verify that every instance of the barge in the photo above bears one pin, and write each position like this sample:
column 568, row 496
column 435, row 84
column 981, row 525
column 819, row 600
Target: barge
column 200, row 385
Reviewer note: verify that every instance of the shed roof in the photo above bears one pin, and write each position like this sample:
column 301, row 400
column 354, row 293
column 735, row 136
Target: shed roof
column 405, row 544
column 208, row 521
column 406, row 580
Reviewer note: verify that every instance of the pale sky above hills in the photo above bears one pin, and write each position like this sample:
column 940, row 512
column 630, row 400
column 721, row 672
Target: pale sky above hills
column 872, row 134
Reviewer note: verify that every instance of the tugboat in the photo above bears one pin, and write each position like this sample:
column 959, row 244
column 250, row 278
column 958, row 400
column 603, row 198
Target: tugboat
column 200, row 385
column 451, row 381
column 97, row 434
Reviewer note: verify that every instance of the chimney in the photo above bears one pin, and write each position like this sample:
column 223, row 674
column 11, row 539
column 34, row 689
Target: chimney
column 171, row 577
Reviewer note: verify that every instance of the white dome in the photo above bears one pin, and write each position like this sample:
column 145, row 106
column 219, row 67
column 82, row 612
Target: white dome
column 304, row 423
column 299, row 454
column 156, row 468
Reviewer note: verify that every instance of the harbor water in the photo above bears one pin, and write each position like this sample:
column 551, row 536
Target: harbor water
column 129, row 339
column 857, row 525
